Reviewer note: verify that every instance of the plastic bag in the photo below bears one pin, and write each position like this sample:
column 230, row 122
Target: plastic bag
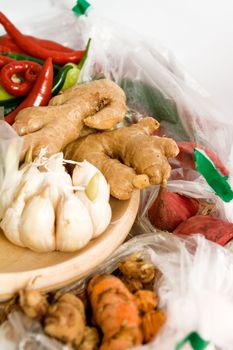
column 22, row 332
column 153, row 81
column 198, row 200
column 149, row 74
column 195, row 288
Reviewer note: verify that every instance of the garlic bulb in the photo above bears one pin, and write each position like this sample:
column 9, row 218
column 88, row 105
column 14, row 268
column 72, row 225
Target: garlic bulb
column 74, row 227
column 37, row 223
column 41, row 211
column 84, row 172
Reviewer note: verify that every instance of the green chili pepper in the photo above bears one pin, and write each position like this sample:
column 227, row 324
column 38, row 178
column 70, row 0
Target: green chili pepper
column 10, row 105
column 60, row 78
column 73, row 74
column 22, row 57
column 4, row 94
column 83, row 60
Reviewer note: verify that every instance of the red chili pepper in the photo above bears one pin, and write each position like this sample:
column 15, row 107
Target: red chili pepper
column 47, row 44
column 40, row 93
column 7, row 42
column 50, row 45
column 19, row 67
column 34, row 49
column 5, row 60
column 4, row 48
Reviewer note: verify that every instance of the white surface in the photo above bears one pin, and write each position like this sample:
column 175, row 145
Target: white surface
column 199, row 33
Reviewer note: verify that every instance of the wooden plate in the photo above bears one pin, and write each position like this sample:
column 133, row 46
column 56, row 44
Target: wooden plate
column 21, row 267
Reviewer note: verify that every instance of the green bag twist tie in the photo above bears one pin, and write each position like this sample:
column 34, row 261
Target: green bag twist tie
column 81, row 7
column 195, row 340
column 213, row 177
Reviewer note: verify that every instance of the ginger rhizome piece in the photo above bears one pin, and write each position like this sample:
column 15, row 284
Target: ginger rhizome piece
column 90, row 340
column 139, row 268
column 98, row 104
column 115, row 312
column 128, row 157
column 65, row 320
column 138, row 272
column 33, row 303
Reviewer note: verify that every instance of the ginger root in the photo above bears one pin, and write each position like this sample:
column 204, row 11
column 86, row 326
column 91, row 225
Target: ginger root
column 33, row 303
column 144, row 156
column 65, row 320
column 90, row 339
column 115, row 311
column 98, row 104
column 136, row 267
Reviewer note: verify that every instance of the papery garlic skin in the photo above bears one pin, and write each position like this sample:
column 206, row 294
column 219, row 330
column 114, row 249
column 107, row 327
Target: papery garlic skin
column 10, row 148
column 12, row 217
column 37, row 223
column 84, row 172
column 74, row 227
column 31, row 181
column 28, row 177
column 100, row 212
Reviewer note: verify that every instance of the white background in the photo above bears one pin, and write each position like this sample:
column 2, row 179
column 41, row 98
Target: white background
column 199, row 32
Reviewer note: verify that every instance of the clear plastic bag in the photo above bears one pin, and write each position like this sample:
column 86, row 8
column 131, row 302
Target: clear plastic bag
column 195, row 288
column 24, row 333
column 152, row 79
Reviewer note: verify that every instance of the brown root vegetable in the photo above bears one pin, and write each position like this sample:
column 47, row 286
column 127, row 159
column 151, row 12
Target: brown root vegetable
column 65, row 320
column 115, row 312
column 98, row 104
column 128, row 157
column 133, row 285
column 146, row 301
column 90, row 339
column 137, row 268
column 170, row 209
column 151, row 324
column 33, row 303
column 7, row 307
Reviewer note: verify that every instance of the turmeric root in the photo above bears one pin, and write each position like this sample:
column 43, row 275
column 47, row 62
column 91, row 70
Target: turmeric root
column 115, row 311
column 98, row 104
column 65, row 320
column 146, row 301
column 141, row 154
column 152, row 323
column 33, row 303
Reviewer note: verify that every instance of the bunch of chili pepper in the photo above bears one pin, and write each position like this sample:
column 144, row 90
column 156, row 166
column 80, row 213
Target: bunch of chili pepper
column 28, row 66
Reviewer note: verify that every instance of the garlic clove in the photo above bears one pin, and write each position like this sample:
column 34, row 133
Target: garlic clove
column 37, row 225
column 84, row 172
column 92, row 188
column 100, row 212
column 11, row 220
column 74, row 227
column 59, row 183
